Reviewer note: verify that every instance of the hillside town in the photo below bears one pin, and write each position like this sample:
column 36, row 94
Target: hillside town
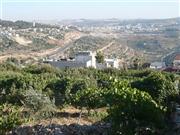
column 76, row 42
column 89, row 67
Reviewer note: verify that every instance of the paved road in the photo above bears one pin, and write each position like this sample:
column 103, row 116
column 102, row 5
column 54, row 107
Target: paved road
column 168, row 59
column 63, row 48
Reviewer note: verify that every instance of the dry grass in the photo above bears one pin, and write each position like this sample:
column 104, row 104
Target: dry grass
column 69, row 115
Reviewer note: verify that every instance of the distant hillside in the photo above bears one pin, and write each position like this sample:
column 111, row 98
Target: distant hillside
column 22, row 24
column 115, row 21
column 150, row 39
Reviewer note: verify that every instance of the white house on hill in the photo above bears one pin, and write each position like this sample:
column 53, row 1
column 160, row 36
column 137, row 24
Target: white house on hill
column 114, row 63
column 157, row 65
column 87, row 57
column 82, row 59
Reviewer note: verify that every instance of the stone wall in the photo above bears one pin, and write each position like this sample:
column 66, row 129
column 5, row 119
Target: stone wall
column 54, row 129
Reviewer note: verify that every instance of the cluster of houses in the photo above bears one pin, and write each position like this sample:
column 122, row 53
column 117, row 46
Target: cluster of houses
column 83, row 59
column 162, row 65
column 127, row 28
column 88, row 59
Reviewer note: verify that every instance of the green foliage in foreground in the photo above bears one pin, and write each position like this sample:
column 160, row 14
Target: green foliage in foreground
column 38, row 104
column 136, row 100
column 158, row 85
column 132, row 110
column 9, row 118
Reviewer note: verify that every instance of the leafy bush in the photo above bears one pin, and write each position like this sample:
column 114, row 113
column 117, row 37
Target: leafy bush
column 134, row 99
column 9, row 67
column 131, row 110
column 158, row 85
column 90, row 98
column 9, row 118
column 40, row 69
column 38, row 104
column 64, row 89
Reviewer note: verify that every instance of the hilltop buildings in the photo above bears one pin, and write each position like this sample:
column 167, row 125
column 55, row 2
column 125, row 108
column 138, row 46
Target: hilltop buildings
column 175, row 67
column 83, row 59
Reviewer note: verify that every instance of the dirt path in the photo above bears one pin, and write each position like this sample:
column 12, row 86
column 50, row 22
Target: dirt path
column 22, row 40
column 105, row 47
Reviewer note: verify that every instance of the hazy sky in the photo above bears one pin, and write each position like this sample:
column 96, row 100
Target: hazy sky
column 88, row 9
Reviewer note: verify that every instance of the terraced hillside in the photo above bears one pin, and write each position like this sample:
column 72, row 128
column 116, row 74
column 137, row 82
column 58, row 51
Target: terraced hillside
column 32, row 42
column 150, row 39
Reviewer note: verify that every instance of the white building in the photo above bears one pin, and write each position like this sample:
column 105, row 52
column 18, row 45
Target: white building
column 34, row 24
column 82, row 59
column 157, row 65
column 112, row 63
column 87, row 57
column 108, row 63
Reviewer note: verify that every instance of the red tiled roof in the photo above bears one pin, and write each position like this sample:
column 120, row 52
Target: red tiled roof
column 177, row 57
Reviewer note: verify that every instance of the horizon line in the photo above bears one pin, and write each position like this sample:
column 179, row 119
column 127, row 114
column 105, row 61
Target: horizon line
column 88, row 1
column 92, row 19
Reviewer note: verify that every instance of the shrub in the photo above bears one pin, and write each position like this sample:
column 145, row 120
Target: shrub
column 9, row 118
column 131, row 110
column 158, row 85
column 38, row 103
